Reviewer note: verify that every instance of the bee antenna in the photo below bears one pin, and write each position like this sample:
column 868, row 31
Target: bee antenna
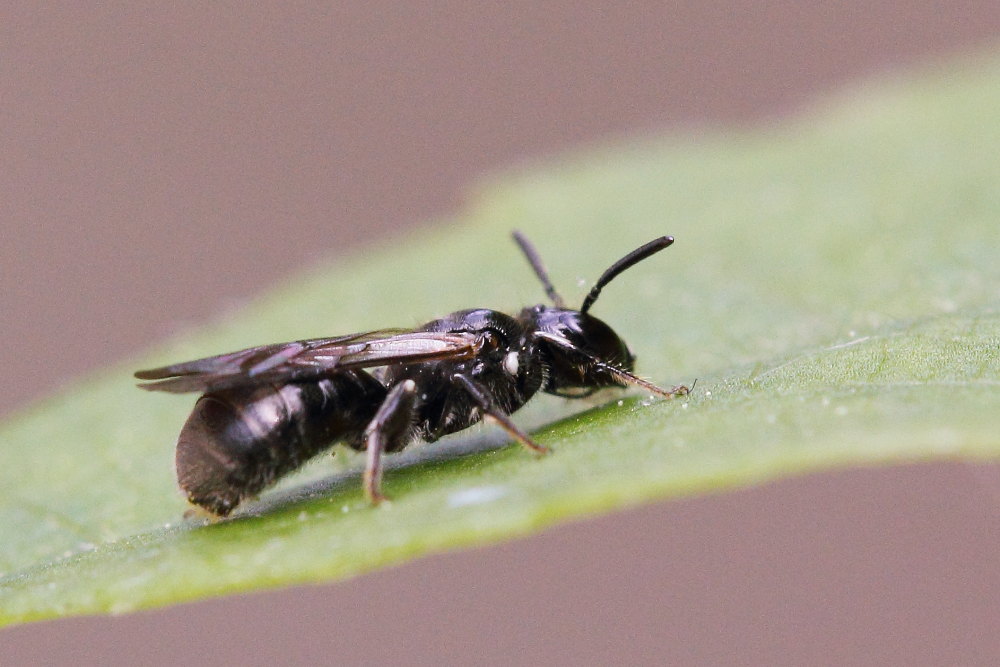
column 625, row 262
column 536, row 264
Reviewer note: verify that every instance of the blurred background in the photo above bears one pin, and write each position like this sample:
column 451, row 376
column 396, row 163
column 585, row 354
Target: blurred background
column 164, row 162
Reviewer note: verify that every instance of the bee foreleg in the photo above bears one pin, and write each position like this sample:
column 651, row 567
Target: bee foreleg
column 391, row 422
column 491, row 413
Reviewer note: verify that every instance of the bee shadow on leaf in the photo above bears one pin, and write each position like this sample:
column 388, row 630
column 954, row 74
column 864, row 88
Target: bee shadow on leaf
column 429, row 455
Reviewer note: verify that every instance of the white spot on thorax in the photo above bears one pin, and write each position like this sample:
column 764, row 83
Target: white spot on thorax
column 510, row 363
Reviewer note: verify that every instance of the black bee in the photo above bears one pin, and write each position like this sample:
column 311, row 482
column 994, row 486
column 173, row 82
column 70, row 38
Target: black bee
column 266, row 410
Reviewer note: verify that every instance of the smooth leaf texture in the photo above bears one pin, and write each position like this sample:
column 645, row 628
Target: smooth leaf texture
column 835, row 288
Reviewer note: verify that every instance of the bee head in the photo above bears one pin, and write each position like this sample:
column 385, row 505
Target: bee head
column 582, row 353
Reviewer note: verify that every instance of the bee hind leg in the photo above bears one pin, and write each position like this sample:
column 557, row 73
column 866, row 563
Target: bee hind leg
column 391, row 422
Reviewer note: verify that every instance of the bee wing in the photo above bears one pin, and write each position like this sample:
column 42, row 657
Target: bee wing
column 309, row 359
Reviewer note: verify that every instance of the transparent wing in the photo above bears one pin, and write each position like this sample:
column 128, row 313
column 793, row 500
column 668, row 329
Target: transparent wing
column 309, row 359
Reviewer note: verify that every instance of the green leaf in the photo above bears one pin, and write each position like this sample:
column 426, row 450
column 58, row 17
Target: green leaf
column 835, row 288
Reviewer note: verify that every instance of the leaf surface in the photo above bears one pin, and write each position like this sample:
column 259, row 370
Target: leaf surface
column 835, row 289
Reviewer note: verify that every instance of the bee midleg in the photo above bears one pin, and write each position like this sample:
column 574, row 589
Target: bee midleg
column 392, row 422
column 480, row 395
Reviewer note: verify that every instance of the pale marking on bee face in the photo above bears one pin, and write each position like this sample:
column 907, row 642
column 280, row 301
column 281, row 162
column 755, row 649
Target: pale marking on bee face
column 510, row 363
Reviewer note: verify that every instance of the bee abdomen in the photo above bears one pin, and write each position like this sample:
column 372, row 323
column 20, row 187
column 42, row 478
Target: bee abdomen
column 238, row 441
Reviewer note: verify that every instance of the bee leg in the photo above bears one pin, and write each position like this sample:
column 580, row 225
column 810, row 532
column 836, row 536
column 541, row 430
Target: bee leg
column 390, row 423
column 492, row 414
